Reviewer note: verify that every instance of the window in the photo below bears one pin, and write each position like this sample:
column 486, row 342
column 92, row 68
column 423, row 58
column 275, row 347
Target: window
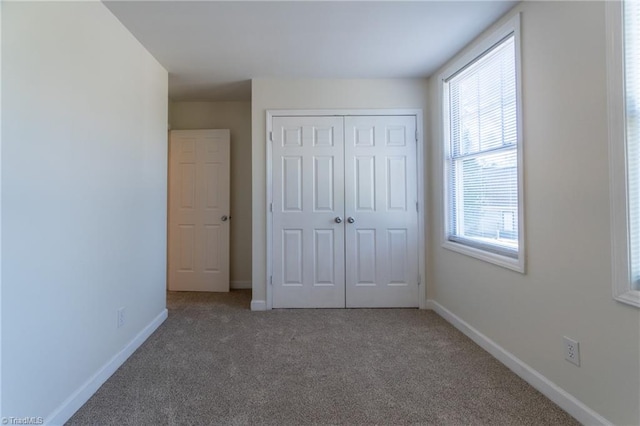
column 632, row 92
column 482, row 151
column 623, row 29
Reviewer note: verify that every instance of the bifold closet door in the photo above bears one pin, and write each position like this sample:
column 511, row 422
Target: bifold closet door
column 381, row 230
column 308, row 209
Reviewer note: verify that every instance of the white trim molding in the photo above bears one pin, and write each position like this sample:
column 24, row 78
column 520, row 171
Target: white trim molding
column 555, row 393
column 618, row 176
column 91, row 386
column 258, row 305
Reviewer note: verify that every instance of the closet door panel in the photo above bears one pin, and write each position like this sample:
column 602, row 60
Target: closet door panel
column 381, row 244
column 308, row 188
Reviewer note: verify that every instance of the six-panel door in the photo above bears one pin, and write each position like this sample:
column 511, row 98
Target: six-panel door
column 345, row 223
column 198, row 210
column 308, row 208
column 380, row 206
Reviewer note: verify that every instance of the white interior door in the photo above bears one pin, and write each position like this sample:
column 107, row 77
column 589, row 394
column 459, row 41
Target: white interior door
column 381, row 211
column 308, row 207
column 199, row 166
column 345, row 219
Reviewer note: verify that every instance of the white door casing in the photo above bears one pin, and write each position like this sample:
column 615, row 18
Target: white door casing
column 199, row 191
column 372, row 178
column 380, row 206
column 308, row 241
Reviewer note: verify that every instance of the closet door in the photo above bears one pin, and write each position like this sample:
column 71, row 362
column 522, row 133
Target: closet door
column 308, row 212
column 381, row 229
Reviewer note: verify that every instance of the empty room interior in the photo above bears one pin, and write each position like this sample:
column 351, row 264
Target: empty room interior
column 320, row 212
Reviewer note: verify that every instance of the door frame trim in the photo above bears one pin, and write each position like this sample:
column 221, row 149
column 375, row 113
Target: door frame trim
column 420, row 162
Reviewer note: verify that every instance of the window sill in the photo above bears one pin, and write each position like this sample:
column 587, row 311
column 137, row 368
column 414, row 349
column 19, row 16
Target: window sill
column 503, row 261
column 631, row 297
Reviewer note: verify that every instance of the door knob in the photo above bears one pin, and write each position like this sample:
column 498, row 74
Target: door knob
column 338, row 219
column 350, row 219
column 224, row 218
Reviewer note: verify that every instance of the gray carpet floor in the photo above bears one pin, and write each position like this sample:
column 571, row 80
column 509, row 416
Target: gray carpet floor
column 215, row 362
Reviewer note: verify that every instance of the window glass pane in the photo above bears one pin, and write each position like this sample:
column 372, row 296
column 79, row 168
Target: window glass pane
column 486, row 205
column 632, row 90
column 483, row 102
column 483, row 179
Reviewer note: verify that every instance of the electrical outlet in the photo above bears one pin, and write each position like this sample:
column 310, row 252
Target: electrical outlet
column 121, row 317
column 571, row 351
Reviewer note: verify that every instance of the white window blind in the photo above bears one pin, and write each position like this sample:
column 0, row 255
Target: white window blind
column 632, row 99
column 483, row 152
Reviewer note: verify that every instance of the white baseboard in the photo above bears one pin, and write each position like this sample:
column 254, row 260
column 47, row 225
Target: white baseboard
column 562, row 398
column 240, row 285
column 258, row 305
column 82, row 395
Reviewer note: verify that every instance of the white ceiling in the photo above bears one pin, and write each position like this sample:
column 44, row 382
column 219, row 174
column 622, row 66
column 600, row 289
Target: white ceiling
column 213, row 48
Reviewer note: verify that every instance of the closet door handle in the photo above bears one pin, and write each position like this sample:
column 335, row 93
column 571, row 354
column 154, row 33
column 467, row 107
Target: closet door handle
column 350, row 219
column 338, row 219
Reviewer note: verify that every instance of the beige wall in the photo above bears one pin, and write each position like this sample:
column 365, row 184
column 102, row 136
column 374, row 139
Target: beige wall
column 235, row 116
column 84, row 160
column 567, row 287
column 312, row 94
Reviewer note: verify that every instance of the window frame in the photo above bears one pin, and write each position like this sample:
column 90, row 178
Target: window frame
column 618, row 177
column 479, row 49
